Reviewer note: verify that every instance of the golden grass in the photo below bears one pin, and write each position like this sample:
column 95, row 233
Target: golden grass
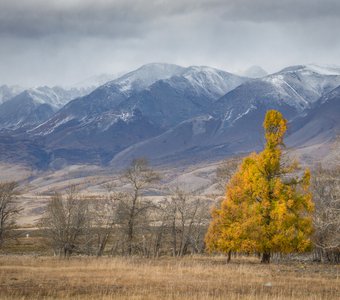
column 25, row 277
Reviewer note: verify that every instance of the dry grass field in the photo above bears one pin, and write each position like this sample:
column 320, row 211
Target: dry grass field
column 27, row 277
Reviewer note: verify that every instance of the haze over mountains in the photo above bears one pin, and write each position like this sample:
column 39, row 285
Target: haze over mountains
column 167, row 113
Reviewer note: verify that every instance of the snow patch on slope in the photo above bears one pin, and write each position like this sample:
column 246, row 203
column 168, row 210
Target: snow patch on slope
column 241, row 115
column 105, row 121
column 52, row 126
column 287, row 92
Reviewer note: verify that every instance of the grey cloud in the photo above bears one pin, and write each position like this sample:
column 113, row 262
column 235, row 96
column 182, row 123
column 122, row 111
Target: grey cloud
column 282, row 11
column 37, row 18
column 42, row 18
column 64, row 41
column 131, row 18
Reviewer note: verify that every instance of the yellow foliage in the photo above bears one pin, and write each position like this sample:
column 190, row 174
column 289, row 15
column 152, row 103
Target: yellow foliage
column 266, row 208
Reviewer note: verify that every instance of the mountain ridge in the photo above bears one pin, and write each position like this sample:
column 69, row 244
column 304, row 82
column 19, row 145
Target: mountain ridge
column 172, row 113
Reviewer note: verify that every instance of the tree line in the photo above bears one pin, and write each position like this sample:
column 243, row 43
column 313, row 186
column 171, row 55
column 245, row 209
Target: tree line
column 127, row 222
column 271, row 205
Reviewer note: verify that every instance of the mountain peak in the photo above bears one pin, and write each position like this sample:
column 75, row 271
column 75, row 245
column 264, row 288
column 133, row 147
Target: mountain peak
column 254, row 72
column 202, row 69
column 313, row 68
column 211, row 82
column 159, row 65
column 7, row 92
column 93, row 82
column 144, row 76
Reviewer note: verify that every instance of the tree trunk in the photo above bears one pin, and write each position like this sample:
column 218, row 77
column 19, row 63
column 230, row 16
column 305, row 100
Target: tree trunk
column 174, row 237
column 159, row 238
column 102, row 244
column 229, row 256
column 131, row 221
column 265, row 258
column 130, row 237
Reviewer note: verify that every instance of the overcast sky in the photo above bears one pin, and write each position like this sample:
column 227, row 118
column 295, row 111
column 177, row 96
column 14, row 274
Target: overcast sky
column 65, row 41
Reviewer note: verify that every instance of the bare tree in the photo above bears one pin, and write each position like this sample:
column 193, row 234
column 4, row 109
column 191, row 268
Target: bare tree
column 66, row 223
column 326, row 193
column 105, row 219
column 9, row 209
column 133, row 207
column 160, row 228
column 187, row 216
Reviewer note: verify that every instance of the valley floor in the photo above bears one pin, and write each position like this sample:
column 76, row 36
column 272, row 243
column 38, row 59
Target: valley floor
column 198, row 277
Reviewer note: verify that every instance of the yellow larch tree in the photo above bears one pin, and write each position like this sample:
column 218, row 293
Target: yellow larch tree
column 267, row 208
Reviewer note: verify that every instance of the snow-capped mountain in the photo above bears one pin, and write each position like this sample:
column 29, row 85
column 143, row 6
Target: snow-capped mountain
column 143, row 77
column 34, row 106
column 254, row 72
column 8, row 92
column 156, row 90
column 56, row 96
column 293, row 90
column 192, row 93
column 95, row 120
column 169, row 114
column 313, row 79
column 206, row 138
column 209, row 82
column 237, row 124
column 155, row 96
column 24, row 110
column 314, row 68
column 321, row 124
column 108, row 96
